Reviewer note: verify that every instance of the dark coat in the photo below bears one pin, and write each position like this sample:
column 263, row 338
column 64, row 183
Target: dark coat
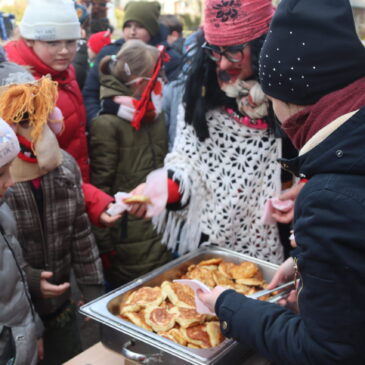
column 121, row 158
column 81, row 63
column 329, row 229
column 92, row 84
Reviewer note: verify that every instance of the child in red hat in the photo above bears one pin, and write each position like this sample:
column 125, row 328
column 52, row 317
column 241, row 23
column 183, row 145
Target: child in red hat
column 96, row 42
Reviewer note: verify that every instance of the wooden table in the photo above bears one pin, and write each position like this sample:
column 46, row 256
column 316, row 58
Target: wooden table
column 99, row 355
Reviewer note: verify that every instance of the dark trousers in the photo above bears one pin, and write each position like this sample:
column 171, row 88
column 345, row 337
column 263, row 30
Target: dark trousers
column 61, row 338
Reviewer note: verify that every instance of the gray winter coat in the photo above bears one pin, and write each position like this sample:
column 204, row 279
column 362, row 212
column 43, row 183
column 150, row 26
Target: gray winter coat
column 16, row 310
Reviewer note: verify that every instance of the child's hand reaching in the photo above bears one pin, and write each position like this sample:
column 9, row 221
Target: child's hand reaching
column 49, row 290
column 108, row 220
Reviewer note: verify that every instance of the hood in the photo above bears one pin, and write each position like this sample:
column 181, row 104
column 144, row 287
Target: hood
column 342, row 152
column 111, row 86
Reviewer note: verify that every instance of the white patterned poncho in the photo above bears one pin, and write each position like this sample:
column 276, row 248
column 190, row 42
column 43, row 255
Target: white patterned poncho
column 226, row 181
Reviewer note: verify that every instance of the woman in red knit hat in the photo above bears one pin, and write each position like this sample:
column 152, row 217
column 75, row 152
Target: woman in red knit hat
column 222, row 168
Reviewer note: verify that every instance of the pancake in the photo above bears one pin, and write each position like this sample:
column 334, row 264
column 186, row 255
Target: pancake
column 187, row 317
column 225, row 268
column 202, row 274
column 250, row 281
column 141, row 298
column 137, row 199
column 191, row 267
column 243, row 289
column 174, row 335
column 191, row 346
column 244, row 270
column 222, row 280
column 197, row 336
column 211, row 264
column 214, row 333
column 215, row 261
column 137, row 318
column 160, row 319
column 166, row 304
column 180, row 295
column 256, row 280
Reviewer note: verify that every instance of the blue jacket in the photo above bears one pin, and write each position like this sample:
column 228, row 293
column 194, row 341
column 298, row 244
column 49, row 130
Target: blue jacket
column 91, row 90
column 330, row 233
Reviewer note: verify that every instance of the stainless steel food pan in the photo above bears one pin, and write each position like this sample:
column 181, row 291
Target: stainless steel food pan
column 147, row 347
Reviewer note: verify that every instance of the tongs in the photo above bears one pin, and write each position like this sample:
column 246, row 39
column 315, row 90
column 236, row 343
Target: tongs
column 282, row 294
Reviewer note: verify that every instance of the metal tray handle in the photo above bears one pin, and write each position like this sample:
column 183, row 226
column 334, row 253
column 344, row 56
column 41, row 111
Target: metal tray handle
column 141, row 358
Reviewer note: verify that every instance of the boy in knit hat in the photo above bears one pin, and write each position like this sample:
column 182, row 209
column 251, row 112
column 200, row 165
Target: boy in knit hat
column 49, row 208
column 18, row 329
column 140, row 22
column 301, row 71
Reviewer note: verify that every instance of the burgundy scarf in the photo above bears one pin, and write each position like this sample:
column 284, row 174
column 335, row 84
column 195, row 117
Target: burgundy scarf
column 306, row 123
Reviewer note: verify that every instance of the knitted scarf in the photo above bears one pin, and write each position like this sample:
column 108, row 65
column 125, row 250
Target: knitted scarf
column 306, row 123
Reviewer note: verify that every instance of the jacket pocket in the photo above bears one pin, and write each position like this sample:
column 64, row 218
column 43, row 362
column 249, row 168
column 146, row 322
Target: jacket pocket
column 325, row 306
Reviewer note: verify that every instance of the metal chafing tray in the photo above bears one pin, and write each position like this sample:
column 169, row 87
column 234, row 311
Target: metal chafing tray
column 147, row 347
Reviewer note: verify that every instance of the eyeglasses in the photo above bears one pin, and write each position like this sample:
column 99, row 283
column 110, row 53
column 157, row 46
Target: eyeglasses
column 233, row 54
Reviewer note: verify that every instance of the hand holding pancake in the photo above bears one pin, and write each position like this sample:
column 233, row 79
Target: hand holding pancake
column 138, row 207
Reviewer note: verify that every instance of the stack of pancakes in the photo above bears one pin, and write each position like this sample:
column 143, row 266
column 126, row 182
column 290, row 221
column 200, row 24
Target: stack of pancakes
column 169, row 309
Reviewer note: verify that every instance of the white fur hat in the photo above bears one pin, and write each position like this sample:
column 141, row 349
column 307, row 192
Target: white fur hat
column 9, row 145
column 50, row 20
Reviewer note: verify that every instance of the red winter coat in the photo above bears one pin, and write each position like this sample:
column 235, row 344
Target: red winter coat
column 70, row 101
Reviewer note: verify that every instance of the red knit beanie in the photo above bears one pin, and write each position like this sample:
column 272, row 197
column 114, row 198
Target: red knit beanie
column 98, row 40
column 232, row 22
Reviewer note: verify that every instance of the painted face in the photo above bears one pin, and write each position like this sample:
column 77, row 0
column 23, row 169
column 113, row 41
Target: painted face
column 55, row 54
column 229, row 72
column 5, row 179
column 134, row 30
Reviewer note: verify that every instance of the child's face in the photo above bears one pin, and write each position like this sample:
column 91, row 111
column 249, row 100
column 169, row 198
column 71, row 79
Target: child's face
column 55, row 54
column 5, row 179
column 134, row 30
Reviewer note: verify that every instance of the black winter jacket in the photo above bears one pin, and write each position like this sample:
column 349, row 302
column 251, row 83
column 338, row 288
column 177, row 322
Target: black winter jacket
column 329, row 229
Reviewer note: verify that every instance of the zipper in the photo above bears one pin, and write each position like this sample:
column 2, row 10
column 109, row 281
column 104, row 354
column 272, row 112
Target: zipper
column 297, row 276
column 44, row 248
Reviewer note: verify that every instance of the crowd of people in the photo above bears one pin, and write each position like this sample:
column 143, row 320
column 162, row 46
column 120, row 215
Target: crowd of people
column 235, row 115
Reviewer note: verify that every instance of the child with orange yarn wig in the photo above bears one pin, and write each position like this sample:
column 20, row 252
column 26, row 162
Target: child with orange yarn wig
column 49, row 208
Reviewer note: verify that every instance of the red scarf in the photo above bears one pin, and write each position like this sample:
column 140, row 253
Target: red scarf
column 143, row 103
column 306, row 123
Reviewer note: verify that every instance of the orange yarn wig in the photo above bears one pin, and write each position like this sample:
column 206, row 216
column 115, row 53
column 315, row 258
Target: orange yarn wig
column 30, row 101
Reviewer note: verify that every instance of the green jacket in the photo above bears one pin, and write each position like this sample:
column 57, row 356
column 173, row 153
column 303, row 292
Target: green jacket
column 121, row 158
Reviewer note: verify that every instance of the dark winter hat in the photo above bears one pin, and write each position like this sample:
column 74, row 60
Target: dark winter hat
column 145, row 13
column 311, row 50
